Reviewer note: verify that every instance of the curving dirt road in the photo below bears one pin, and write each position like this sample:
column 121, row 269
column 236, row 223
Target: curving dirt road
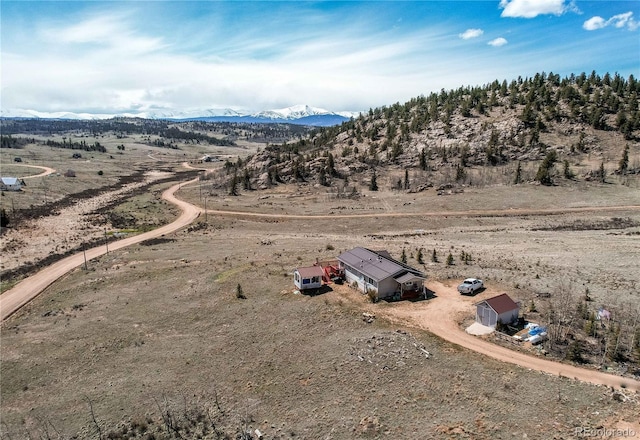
column 441, row 314
column 46, row 170
column 29, row 288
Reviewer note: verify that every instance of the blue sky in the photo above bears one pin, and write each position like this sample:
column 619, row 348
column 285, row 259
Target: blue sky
column 140, row 56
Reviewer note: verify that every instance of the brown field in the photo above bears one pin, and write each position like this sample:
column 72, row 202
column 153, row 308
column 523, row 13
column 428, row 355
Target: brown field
column 160, row 322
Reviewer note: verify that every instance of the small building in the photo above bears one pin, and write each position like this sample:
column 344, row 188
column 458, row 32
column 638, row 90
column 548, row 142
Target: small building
column 378, row 273
column 500, row 308
column 11, row 184
column 306, row 278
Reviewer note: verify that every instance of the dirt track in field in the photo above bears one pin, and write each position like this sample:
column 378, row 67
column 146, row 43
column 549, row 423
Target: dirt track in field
column 45, row 170
column 438, row 315
column 29, row 288
column 470, row 213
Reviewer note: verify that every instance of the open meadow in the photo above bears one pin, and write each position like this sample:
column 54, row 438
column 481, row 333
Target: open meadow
column 158, row 328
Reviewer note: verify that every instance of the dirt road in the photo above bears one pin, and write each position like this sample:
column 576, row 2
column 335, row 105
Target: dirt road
column 46, row 170
column 438, row 315
column 472, row 213
column 441, row 315
column 29, row 288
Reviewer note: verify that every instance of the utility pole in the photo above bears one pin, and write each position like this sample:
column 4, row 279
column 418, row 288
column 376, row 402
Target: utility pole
column 205, row 209
column 106, row 241
column 85, row 257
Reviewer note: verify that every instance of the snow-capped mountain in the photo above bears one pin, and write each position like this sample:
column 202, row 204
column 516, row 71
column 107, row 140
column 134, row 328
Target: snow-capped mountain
column 297, row 114
column 294, row 112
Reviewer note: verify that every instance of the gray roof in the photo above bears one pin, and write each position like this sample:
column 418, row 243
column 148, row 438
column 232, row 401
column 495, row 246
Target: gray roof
column 409, row 277
column 10, row 180
column 376, row 265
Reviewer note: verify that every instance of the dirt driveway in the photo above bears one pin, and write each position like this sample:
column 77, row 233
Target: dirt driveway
column 440, row 316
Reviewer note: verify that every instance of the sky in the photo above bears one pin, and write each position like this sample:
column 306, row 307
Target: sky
column 151, row 56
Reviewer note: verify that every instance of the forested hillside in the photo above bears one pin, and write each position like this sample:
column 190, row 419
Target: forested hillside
column 545, row 128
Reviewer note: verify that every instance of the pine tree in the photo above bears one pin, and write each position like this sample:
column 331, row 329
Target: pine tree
column 623, row 165
column 544, row 171
column 568, row 174
column 575, row 351
column 518, row 178
column 322, row 177
column 434, row 256
column 419, row 257
column 450, row 259
column 602, row 174
column 423, row 159
column 233, row 184
column 403, row 257
column 373, row 185
column 246, row 180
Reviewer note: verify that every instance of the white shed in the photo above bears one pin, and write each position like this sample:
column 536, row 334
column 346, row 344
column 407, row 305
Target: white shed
column 306, row 278
column 11, row 184
column 500, row 308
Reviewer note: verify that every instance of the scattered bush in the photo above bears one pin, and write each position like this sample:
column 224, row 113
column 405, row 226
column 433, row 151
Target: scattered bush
column 373, row 295
column 239, row 293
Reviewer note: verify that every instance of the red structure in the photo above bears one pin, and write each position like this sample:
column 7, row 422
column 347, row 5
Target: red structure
column 332, row 271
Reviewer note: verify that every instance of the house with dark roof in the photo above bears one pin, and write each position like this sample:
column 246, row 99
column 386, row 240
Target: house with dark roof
column 306, row 278
column 377, row 273
column 500, row 308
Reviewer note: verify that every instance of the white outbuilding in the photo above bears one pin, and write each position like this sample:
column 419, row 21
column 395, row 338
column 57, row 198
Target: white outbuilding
column 11, row 184
column 500, row 308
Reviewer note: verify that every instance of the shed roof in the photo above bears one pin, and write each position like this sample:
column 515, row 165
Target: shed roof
column 376, row 265
column 310, row 272
column 501, row 303
column 10, row 180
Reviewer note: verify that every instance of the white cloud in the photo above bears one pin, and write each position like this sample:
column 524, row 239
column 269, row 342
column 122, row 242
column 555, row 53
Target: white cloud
column 471, row 33
column 533, row 8
column 498, row 42
column 594, row 23
column 619, row 21
column 105, row 64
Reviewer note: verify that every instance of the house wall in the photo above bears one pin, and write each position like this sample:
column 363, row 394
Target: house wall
column 485, row 315
column 508, row 317
column 364, row 283
column 16, row 187
column 387, row 287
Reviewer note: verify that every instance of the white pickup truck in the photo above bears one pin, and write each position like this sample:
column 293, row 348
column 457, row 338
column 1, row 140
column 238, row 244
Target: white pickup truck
column 470, row 285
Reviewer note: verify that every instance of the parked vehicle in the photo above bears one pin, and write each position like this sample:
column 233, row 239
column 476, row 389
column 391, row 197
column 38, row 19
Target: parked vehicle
column 470, row 285
column 17, row 159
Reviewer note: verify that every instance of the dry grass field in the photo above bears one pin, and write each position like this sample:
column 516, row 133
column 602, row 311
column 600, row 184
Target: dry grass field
column 158, row 327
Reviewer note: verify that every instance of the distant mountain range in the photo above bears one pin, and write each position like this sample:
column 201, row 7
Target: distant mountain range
column 297, row 114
